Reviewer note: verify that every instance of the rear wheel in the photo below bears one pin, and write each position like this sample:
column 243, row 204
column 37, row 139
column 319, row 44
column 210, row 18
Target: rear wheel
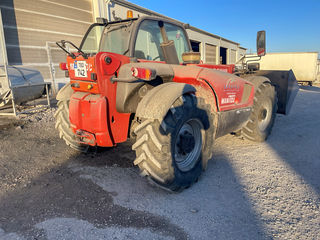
column 173, row 152
column 63, row 126
column 263, row 114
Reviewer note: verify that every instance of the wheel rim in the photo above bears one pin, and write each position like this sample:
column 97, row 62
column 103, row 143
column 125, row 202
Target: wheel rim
column 188, row 144
column 264, row 115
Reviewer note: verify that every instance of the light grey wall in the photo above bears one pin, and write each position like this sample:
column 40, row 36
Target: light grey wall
column 32, row 27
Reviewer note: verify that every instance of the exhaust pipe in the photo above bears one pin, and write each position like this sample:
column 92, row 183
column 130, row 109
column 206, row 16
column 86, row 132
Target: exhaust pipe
column 168, row 48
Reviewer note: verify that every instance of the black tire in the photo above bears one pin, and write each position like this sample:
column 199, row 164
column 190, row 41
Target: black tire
column 171, row 152
column 63, row 126
column 263, row 114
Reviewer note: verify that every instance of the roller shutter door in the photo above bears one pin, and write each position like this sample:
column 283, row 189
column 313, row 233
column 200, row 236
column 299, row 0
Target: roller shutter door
column 233, row 54
column 32, row 27
column 210, row 53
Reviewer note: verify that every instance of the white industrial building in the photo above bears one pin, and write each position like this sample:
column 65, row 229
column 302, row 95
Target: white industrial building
column 32, row 27
column 214, row 49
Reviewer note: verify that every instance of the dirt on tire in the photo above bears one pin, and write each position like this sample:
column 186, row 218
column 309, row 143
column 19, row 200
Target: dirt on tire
column 63, row 126
column 156, row 142
column 263, row 114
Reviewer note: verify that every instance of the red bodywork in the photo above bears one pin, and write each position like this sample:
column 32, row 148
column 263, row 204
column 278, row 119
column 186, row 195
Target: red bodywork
column 92, row 109
column 95, row 115
column 228, row 88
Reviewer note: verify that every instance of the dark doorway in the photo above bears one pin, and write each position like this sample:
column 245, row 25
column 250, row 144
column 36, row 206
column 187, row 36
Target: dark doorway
column 11, row 32
column 195, row 46
column 223, row 55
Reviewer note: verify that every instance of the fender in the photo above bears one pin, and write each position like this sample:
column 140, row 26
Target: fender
column 65, row 93
column 130, row 93
column 233, row 120
column 156, row 102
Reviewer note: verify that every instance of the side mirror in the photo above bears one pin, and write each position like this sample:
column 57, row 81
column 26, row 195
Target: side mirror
column 261, row 43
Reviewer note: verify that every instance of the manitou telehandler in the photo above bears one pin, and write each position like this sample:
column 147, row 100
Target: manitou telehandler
column 138, row 78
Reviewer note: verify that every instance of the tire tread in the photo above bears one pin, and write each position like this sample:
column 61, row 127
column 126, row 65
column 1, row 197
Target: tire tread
column 63, row 126
column 250, row 131
column 153, row 146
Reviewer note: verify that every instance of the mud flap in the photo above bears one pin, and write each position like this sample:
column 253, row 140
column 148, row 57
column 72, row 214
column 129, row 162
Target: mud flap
column 286, row 86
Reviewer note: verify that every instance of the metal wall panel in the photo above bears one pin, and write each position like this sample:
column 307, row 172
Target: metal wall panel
column 27, row 55
column 33, row 56
column 32, row 27
column 79, row 4
column 51, row 8
column 211, row 53
column 34, row 38
column 233, row 56
column 56, row 55
column 31, row 21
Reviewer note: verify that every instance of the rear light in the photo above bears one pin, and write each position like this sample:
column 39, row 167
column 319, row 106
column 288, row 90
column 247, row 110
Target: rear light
column 143, row 73
column 90, row 86
column 63, row 66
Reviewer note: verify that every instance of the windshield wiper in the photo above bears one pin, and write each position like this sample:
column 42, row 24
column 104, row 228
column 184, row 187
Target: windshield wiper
column 63, row 46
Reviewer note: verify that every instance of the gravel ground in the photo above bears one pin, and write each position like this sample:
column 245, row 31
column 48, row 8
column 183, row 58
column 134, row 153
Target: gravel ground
column 250, row 190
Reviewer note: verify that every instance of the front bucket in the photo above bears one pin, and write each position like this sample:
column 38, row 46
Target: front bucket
column 286, row 86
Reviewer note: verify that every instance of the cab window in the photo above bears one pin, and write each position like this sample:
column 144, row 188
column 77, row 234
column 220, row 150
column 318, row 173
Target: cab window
column 176, row 34
column 148, row 41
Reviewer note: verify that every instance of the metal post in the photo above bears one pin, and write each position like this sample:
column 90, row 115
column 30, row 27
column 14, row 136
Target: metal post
column 3, row 48
column 108, row 16
column 51, row 68
column 13, row 105
column 48, row 98
column 5, row 64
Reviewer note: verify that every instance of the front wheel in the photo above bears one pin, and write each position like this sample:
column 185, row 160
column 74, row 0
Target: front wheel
column 263, row 114
column 172, row 152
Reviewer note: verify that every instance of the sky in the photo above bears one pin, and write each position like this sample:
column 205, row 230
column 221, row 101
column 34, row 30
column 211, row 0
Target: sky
column 291, row 26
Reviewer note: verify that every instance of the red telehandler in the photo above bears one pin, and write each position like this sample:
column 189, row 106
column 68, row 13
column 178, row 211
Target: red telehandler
column 138, row 78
